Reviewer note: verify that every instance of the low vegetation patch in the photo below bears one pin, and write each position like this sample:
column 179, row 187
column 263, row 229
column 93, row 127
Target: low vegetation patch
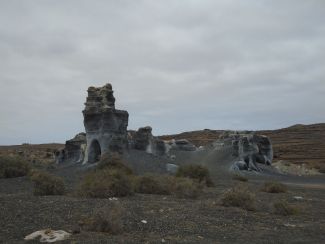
column 11, row 167
column 152, row 184
column 106, row 183
column 195, row 172
column 107, row 219
column 47, row 184
column 274, row 187
column 186, row 188
column 284, row 208
column 240, row 178
column 113, row 161
column 239, row 197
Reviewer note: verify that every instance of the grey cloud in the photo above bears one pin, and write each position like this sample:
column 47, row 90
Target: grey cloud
column 174, row 65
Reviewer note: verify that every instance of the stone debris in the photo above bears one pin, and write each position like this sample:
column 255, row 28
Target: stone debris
column 48, row 235
column 298, row 198
column 144, row 221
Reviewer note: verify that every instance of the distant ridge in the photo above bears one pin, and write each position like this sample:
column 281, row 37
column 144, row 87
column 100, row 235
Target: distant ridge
column 298, row 143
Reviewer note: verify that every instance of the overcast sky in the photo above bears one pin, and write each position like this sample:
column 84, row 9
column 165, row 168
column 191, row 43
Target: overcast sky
column 176, row 65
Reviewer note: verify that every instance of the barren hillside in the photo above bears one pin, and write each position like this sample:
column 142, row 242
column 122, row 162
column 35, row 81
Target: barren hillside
column 297, row 144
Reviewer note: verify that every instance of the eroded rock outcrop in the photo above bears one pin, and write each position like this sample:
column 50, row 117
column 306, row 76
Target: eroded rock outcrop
column 143, row 140
column 74, row 150
column 106, row 127
column 249, row 148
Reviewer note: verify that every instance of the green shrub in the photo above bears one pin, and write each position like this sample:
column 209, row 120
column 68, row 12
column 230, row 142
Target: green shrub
column 152, row 184
column 186, row 188
column 284, row 208
column 47, row 184
column 106, row 183
column 239, row 197
column 11, row 167
column 240, row 178
column 196, row 172
column 107, row 219
column 113, row 161
column 274, row 187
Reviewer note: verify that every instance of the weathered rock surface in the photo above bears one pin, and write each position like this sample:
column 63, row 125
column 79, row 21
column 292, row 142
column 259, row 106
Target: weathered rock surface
column 106, row 127
column 248, row 147
column 74, row 150
column 143, row 140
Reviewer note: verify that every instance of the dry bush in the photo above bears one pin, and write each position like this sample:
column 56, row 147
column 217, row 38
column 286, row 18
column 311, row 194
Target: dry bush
column 47, row 184
column 153, row 184
column 274, row 187
column 195, row 172
column 106, row 183
column 240, row 178
column 107, row 219
column 113, row 161
column 284, row 208
column 185, row 188
column 11, row 167
column 239, row 197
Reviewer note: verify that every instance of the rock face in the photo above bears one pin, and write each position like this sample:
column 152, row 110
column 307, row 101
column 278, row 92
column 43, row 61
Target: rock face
column 74, row 150
column 249, row 148
column 143, row 140
column 106, row 127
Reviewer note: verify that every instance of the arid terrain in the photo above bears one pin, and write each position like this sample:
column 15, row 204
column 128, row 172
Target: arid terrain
column 297, row 144
column 167, row 218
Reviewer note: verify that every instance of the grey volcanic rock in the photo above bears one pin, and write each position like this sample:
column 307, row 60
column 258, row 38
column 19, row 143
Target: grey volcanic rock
column 106, row 127
column 248, row 147
column 180, row 145
column 74, row 150
column 143, row 140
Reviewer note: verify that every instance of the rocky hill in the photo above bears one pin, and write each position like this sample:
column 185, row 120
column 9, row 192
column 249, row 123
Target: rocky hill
column 297, row 144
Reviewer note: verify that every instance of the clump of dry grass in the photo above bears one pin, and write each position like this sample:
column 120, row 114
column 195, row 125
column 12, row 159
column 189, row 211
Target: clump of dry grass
column 186, row 188
column 11, row 167
column 284, row 208
column 108, row 219
column 195, row 172
column 152, row 184
column 47, row 184
column 113, row 161
column 106, row 183
column 274, row 187
column 239, row 197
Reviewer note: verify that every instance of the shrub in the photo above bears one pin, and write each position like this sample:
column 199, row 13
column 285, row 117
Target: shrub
column 152, row 184
column 186, row 188
column 239, row 197
column 240, row 178
column 113, row 161
column 107, row 219
column 47, row 184
column 11, row 167
column 106, row 183
column 196, row 172
column 284, row 208
column 274, row 187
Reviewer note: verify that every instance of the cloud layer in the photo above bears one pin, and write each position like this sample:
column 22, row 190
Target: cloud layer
column 174, row 65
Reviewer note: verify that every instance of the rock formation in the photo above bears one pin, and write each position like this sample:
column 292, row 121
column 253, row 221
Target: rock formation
column 143, row 140
column 74, row 150
column 106, row 127
column 249, row 148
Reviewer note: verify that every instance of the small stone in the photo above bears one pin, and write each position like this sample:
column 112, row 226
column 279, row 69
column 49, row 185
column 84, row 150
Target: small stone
column 144, row 221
